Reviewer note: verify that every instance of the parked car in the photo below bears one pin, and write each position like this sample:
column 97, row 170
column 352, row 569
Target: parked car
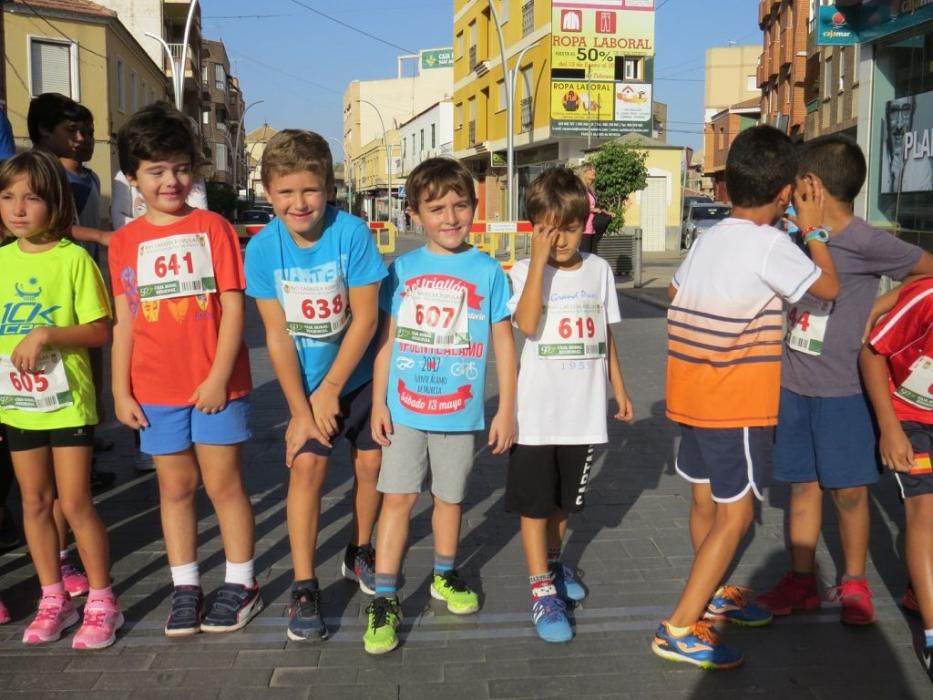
column 701, row 217
column 252, row 222
column 691, row 199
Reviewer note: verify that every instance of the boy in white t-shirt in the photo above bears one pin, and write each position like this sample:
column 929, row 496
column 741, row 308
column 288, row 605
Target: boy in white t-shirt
column 563, row 303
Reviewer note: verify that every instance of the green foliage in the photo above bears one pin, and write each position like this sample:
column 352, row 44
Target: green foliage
column 221, row 198
column 620, row 171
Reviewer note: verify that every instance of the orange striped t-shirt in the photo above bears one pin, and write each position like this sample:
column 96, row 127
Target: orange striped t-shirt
column 725, row 325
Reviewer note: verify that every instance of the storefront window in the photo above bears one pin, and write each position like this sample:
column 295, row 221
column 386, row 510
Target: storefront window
column 900, row 182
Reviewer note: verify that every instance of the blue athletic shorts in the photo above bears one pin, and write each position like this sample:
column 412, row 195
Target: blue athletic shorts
column 733, row 461
column 921, row 440
column 831, row 440
column 175, row 428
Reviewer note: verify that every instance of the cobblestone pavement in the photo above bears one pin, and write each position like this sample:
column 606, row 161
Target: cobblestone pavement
column 631, row 543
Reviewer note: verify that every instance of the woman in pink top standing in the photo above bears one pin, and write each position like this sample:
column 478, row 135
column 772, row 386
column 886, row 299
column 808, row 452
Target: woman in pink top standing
column 591, row 232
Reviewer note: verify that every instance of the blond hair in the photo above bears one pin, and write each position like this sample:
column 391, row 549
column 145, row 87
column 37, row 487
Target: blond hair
column 48, row 180
column 297, row 150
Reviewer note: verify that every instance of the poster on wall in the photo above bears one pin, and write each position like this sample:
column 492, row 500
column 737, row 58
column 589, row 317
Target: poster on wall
column 590, row 39
column 598, row 109
column 907, row 145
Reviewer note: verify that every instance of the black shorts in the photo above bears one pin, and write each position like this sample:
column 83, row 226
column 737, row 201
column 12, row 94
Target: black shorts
column 20, row 440
column 352, row 423
column 545, row 478
column 733, row 461
column 921, row 440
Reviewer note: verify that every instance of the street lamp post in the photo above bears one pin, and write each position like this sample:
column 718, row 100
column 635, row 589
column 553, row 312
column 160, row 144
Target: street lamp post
column 236, row 146
column 178, row 69
column 385, row 140
column 510, row 79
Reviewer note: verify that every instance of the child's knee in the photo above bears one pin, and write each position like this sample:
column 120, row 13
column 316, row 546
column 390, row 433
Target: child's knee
column 75, row 508
column 404, row 502
column 226, row 491
column 367, row 465
column 177, row 489
column 37, row 504
column 307, row 472
column 851, row 499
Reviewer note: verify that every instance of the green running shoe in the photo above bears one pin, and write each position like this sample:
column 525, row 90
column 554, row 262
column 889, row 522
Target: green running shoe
column 383, row 617
column 453, row 590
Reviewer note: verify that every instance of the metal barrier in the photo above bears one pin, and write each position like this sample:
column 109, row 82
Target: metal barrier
column 386, row 234
column 500, row 239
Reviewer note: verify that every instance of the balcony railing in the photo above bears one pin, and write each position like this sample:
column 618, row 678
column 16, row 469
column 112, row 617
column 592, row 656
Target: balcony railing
column 528, row 17
column 193, row 59
column 471, row 132
column 527, row 119
column 472, row 57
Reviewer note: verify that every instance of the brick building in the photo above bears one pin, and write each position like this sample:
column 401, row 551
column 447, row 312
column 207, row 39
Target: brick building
column 719, row 133
column 782, row 70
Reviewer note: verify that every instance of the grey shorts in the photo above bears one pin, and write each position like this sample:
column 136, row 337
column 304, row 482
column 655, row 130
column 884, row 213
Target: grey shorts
column 405, row 463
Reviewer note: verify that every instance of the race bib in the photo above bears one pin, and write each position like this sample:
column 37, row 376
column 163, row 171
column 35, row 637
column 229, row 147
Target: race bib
column 806, row 325
column 575, row 329
column 315, row 309
column 177, row 266
column 42, row 391
column 434, row 318
column 916, row 388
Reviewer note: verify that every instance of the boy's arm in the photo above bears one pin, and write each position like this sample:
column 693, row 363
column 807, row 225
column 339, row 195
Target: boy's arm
column 502, row 427
column 126, row 408
column 91, row 235
column 325, row 400
column 826, row 286
column 810, row 200
column 381, row 420
column 211, row 395
column 624, row 412
column 287, row 368
column 924, row 266
column 894, row 446
column 671, row 291
column 25, row 355
column 528, row 311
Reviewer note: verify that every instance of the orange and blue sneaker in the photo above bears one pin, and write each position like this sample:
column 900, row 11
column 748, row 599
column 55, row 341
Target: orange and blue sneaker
column 700, row 646
column 732, row 604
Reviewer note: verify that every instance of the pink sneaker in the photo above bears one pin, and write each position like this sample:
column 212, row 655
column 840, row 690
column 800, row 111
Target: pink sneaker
column 102, row 619
column 55, row 615
column 74, row 579
column 4, row 614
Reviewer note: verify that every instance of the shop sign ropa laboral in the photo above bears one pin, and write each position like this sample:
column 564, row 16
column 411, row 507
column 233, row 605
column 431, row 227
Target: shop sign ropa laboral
column 845, row 25
column 592, row 91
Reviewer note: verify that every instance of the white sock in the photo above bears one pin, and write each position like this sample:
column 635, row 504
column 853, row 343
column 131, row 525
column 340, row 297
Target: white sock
column 186, row 575
column 240, row 573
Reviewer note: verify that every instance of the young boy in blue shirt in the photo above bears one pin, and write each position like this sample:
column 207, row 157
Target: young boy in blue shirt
column 307, row 269
column 443, row 304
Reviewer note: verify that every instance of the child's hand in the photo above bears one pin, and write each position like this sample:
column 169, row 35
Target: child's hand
column 897, row 454
column 129, row 412
column 210, row 397
column 543, row 240
column 298, row 433
column 25, row 356
column 381, row 423
column 625, row 412
column 325, row 407
column 809, row 200
column 501, row 433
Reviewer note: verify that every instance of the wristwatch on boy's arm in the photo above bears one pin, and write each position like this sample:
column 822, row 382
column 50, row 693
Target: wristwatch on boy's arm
column 815, row 233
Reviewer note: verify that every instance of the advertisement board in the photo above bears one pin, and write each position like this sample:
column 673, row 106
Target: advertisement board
column 581, row 108
column 907, row 145
column 870, row 21
column 437, row 58
column 588, row 39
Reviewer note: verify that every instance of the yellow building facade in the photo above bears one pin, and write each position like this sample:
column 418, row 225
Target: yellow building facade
column 80, row 49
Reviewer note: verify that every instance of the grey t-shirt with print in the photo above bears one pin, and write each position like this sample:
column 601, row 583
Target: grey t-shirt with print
column 862, row 254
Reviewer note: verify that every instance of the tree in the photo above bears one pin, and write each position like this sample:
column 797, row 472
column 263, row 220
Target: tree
column 620, row 170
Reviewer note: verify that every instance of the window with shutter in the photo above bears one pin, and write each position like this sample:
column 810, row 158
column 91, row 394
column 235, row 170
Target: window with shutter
column 50, row 62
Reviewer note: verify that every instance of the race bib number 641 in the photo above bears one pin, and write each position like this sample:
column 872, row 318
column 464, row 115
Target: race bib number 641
column 175, row 266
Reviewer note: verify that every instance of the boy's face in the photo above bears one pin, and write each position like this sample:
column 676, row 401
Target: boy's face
column 446, row 220
column 85, row 150
column 64, row 140
column 567, row 244
column 23, row 212
column 164, row 184
column 299, row 199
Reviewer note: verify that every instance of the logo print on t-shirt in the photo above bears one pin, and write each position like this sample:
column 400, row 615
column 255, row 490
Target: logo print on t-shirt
column 24, row 294
column 20, row 317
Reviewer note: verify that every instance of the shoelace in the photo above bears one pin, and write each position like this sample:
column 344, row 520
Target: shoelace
column 453, row 580
column 96, row 612
column 549, row 608
column 305, row 602
column 736, row 594
column 849, row 589
column 49, row 608
column 706, row 632
column 379, row 609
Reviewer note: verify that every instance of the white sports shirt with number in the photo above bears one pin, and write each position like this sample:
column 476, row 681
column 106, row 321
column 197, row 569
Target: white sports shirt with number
column 563, row 399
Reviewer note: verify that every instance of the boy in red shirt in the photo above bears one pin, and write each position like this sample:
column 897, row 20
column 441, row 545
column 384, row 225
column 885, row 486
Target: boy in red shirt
column 897, row 367
column 180, row 367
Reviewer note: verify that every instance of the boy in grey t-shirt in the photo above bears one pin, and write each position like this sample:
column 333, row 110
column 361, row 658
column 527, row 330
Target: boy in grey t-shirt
column 825, row 438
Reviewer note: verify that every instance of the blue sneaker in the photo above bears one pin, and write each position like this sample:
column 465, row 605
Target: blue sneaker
column 233, row 607
column 359, row 564
column 731, row 604
column 700, row 647
column 304, row 615
column 186, row 613
column 550, row 617
column 568, row 585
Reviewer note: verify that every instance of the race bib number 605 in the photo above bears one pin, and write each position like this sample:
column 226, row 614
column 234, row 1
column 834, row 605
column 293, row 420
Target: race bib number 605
column 176, row 266
column 42, row 391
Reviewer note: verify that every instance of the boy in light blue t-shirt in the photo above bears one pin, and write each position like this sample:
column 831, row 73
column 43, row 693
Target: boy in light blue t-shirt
column 307, row 269
column 443, row 304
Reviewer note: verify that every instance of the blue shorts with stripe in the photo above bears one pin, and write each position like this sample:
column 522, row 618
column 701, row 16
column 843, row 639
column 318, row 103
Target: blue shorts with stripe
column 733, row 461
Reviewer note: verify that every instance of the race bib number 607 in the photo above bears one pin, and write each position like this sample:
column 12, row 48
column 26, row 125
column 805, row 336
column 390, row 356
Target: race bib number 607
column 42, row 391
column 176, row 266
column 434, row 318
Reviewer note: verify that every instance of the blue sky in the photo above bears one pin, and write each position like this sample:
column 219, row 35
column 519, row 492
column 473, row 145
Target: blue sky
column 299, row 62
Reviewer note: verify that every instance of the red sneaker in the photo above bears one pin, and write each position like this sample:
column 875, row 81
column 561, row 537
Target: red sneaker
column 793, row 592
column 4, row 614
column 909, row 601
column 857, row 605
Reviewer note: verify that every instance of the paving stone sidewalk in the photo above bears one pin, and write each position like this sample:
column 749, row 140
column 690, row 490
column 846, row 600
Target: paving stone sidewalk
column 631, row 542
